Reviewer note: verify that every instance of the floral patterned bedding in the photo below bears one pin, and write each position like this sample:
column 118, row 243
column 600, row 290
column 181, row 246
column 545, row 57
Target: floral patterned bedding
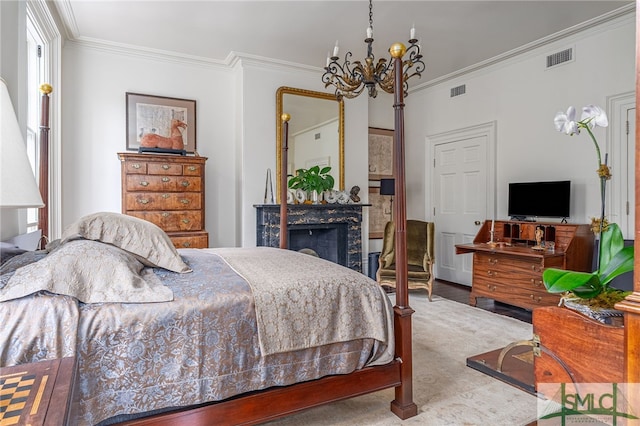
column 202, row 346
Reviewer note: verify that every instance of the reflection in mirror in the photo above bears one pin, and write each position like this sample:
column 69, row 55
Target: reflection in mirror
column 316, row 133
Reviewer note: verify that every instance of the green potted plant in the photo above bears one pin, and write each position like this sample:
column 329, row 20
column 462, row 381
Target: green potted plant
column 313, row 181
column 592, row 289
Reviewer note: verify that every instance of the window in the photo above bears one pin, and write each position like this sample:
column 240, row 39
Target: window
column 35, row 77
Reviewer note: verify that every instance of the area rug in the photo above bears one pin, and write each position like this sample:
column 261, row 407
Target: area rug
column 446, row 391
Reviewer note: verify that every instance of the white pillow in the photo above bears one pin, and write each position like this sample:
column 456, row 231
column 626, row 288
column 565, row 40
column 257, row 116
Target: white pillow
column 137, row 236
column 90, row 271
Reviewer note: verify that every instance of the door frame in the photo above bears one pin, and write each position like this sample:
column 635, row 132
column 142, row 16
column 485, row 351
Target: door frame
column 488, row 130
column 616, row 105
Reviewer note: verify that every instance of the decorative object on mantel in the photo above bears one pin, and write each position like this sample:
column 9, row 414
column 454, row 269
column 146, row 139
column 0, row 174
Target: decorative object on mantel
column 330, row 196
column 614, row 258
column 162, row 125
column 343, row 197
column 312, row 182
column 353, row 195
column 351, row 82
column 268, row 189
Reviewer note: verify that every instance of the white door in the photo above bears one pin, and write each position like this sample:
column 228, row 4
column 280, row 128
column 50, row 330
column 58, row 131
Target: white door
column 459, row 203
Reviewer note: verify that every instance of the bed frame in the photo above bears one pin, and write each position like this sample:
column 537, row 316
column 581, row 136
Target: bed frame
column 261, row 406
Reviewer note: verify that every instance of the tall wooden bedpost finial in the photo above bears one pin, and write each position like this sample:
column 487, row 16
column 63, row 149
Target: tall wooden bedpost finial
column 284, row 243
column 403, row 405
column 43, row 169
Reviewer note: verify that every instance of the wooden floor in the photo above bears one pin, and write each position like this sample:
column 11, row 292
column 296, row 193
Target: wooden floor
column 460, row 293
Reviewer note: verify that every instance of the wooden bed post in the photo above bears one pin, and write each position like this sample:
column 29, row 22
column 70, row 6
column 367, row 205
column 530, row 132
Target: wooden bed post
column 403, row 406
column 43, row 169
column 284, row 243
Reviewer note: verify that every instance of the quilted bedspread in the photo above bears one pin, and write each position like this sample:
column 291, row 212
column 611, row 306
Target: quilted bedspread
column 208, row 343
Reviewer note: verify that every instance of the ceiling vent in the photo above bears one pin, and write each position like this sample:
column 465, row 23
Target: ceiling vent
column 317, row 136
column 561, row 57
column 458, row 90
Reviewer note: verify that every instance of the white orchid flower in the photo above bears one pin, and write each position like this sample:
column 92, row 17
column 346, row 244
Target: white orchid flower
column 593, row 115
column 566, row 123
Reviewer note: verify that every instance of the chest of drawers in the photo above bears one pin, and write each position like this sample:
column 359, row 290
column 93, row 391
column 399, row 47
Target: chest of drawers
column 169, row 192
column 517, row 280
column 510, row 271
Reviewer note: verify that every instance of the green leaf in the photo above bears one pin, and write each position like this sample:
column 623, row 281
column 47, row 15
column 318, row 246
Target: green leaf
column 612, row 242
column 621, row 263
column 325, row 170
column 561, row 280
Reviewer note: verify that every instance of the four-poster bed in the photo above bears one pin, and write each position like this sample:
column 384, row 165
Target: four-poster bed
column 377, row 367
column 273, row 403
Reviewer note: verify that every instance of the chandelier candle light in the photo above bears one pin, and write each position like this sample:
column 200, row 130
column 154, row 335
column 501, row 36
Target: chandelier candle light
column 350, row 79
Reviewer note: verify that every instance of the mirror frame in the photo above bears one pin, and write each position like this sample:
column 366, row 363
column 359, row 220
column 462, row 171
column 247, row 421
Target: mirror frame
column 319, row 95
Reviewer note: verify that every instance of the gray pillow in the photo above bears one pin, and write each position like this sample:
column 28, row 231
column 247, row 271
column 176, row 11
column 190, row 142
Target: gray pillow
column 90, row 271
column 148, row 242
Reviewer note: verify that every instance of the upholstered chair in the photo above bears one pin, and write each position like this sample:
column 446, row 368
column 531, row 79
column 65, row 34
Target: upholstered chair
column 420, row 255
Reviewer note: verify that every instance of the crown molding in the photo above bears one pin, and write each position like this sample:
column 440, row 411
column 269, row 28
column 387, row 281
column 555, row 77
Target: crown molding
column 612, row 18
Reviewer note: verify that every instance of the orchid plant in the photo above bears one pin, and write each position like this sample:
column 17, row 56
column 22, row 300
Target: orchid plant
column 613, row 258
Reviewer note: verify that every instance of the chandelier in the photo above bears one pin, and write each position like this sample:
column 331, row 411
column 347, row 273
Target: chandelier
column 350, row 79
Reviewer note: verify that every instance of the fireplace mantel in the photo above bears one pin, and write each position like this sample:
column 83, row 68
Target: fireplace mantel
column 314, row 217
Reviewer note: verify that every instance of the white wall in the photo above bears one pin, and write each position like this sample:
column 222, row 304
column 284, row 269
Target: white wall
column 95, row 81
column 236, row 123
column 523, row 98
column 260, row 83
column 235, row 108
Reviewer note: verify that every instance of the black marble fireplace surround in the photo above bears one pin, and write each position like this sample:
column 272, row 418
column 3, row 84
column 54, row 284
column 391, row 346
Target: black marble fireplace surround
column 334, row 231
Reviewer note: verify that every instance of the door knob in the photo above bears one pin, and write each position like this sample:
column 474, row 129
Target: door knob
column 477, row 223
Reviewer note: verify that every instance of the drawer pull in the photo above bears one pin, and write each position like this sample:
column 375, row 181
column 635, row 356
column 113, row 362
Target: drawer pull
column 535, row 282
column 135, row 166
column 165, row 179
column 184, row 201
column 536, row 299
column 144, row 183
column 165, row 196
column 185, row 221
column 185, row 183
column 492, row 273
column 491, row 287
column 186, row 244
column 493, row 261
column 192, row 168
column 143, row 201
column 165, row 214
column 165, row 167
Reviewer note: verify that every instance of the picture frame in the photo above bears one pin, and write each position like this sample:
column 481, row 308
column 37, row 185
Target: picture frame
column 381, row 160
column 153, row 114
column 379, row 212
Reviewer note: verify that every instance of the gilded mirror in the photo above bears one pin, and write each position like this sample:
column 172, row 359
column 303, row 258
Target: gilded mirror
column 316, row 132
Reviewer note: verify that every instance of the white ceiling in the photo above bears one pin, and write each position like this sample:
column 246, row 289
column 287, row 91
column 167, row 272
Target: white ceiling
column 453, row 34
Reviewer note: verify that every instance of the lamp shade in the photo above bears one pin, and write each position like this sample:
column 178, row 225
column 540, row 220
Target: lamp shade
column 387, row 186
column 18, row 187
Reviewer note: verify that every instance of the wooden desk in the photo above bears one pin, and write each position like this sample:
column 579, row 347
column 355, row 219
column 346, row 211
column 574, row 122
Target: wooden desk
column 511, row 271
column 37, row 393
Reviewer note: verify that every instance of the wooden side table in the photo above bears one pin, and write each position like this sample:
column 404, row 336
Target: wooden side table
column 37, row 394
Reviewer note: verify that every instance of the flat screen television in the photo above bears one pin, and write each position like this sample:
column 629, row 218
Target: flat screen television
column 539, row 199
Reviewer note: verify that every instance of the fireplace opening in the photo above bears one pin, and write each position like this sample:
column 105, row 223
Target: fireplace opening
column 328, row 240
